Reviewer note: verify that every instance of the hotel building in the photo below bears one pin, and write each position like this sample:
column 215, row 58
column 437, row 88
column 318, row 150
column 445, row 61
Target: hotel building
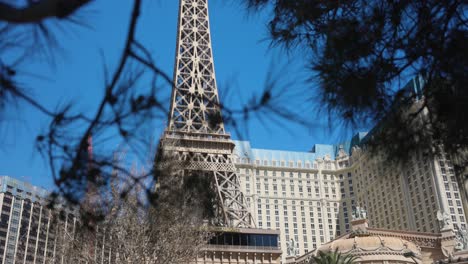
column 29, row 231
column 310, row 196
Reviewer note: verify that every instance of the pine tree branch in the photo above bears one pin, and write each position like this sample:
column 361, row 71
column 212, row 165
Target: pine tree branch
column 36, row 12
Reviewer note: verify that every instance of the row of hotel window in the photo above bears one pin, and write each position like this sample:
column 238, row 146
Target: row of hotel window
column 304, row 228
column 320, row 205
column 328, row 164
column 301, row 194
column 317, row 238
column 20, row 191
column 451, row 186
column 316, row 176
column 299, row 182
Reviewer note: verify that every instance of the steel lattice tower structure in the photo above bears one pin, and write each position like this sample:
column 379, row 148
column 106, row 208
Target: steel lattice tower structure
column 195, row 139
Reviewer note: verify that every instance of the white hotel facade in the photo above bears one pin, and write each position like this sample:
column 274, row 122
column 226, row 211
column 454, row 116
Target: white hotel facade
column 30, row 232
column 310, row 196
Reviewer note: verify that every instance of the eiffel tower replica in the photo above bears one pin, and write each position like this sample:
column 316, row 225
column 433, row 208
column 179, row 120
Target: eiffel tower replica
column 195, row 139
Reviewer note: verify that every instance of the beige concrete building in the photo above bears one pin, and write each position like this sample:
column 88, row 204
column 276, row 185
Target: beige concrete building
column 307, row 196
column 408, row 197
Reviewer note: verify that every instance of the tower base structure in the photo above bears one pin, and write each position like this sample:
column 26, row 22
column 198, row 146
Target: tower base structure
column 241, row 246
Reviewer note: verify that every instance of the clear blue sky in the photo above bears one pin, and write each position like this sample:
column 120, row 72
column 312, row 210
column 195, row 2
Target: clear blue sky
column 243, row 57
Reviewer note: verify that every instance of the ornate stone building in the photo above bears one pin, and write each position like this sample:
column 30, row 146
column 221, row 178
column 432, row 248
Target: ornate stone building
column 378, row 246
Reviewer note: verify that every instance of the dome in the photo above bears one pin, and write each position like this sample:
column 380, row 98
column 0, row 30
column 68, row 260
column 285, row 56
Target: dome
column 375, row 248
